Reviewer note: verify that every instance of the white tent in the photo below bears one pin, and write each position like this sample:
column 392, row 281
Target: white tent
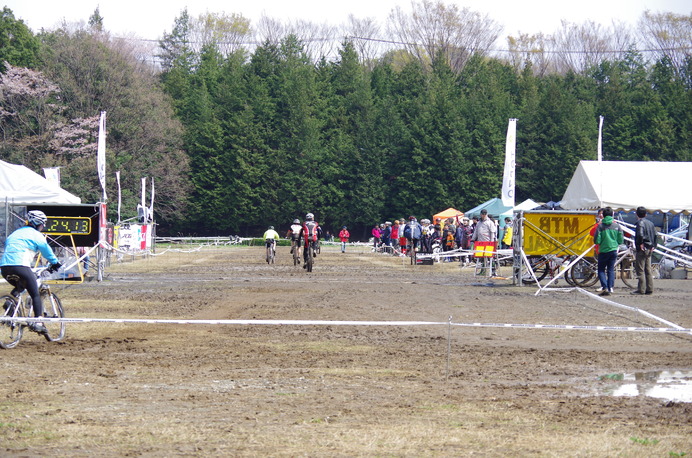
column 20, row 185
column 626, row 185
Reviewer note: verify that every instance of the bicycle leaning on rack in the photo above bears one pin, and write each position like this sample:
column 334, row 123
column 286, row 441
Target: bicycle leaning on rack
column 21, row 307
column 585, row 272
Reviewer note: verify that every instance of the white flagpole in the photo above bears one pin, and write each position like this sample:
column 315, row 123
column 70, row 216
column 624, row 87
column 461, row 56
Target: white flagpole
column 101, row 153
column 117, row 179
column 510, row 158
column 600, row 133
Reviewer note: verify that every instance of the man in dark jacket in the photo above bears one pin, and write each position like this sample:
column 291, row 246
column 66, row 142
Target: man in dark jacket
column 645, row 243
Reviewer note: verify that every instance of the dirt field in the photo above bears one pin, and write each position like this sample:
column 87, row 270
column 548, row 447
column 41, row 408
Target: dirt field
column 268, row 390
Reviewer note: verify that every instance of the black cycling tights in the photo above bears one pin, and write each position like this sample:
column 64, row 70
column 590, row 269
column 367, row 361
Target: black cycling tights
column 28, row 279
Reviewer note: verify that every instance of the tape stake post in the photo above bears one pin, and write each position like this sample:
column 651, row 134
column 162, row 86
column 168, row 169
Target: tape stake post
column 449, row 345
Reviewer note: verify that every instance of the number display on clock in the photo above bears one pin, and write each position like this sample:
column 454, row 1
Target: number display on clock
column 65, row 225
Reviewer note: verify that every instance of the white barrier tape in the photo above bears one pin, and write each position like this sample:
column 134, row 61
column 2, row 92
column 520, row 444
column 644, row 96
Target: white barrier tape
column 348, row 323
column 622, row 306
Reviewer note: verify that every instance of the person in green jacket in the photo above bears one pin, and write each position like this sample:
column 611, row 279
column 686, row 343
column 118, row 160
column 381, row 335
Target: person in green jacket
column 608, row 237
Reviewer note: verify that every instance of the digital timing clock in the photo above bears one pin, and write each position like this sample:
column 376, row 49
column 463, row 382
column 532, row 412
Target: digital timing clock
column 66, row 225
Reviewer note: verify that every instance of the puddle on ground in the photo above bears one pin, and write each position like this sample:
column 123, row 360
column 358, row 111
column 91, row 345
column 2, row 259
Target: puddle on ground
column 671, row 385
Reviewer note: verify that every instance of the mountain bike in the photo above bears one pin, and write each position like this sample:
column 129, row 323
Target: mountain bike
column 585, row 272
column 310, row 259
column 411, row 250
column 22, row 306
column 295, row 248
column 546, row 265
column 271, row 251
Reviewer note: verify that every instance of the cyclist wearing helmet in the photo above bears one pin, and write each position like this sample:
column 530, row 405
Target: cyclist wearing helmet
column 413, row 231
column 295, row 232
column 20, row 249
column 311, row 233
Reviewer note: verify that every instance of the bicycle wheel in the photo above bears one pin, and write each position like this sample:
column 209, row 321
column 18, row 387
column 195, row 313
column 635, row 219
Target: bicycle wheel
column 296, row 254
column 10, row 331
column 584, row 273
column 52, row 308
column 310, row 259
column 411, row 251
column 539, row 265
column 626, row 272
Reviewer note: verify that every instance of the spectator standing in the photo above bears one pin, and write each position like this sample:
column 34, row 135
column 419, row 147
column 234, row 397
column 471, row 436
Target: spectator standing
column 608, row 236
column 402, row 238
column 645, row 244
column 387, row 234
column 485, row 230
column 344, row 235
column 507, row 236
column 376, row 234
column 395, row 235
column 599, row 218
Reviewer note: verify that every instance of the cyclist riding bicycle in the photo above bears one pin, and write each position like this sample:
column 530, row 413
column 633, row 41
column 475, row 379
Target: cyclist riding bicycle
column 270, row 237
column 413, row 231
column 295, row 233
column 20, row 249
column 311, row 233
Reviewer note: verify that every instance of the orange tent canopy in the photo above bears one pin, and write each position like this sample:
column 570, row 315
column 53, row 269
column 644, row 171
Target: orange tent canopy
column 449, row 213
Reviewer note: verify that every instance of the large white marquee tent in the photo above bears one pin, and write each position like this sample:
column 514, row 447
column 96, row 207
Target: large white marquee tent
column 20, row 185
column 626, row 185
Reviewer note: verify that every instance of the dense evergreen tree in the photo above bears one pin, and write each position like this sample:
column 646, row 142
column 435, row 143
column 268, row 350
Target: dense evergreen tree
column 264, row 137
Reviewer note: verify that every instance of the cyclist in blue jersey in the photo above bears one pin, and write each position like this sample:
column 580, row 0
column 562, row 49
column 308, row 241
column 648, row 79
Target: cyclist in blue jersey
column 20, row 249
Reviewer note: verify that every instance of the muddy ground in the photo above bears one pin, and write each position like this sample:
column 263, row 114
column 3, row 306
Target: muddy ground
column 305, row 390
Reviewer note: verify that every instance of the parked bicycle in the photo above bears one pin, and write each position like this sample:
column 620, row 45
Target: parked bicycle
column 547, row 265
column 585, row 272
column 22, row 307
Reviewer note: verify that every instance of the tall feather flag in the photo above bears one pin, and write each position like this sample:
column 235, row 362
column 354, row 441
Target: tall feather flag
column 510, row 158
column 120, row 197
column 600, row 138
column 151, row 204
column 101, row 153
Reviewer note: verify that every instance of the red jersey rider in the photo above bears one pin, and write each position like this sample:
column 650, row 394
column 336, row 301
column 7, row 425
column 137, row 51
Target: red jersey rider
column 311, row 232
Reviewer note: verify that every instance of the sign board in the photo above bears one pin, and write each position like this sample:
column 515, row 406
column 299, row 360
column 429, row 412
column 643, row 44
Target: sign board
column 133, row 237
column 80, row 222
column 557, row 233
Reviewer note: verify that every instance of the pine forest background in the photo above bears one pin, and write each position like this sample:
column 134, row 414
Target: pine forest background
column 242, row 126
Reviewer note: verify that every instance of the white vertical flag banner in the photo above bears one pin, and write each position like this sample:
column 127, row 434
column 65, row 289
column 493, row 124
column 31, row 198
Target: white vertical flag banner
column 101, row 153
column 120, row 197
column 144, row 190
column 600, row 138
column 151, row 204
column 510, row 158
column 52, row 174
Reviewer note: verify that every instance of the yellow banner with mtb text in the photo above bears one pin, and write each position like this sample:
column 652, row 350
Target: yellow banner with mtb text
column 560, row 234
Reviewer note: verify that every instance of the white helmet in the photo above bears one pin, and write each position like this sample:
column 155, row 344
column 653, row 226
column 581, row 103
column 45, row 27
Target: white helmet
column 36, row 218
column 309, row 217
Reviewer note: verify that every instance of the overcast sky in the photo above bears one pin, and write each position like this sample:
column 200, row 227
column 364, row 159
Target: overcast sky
column 149, row 19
